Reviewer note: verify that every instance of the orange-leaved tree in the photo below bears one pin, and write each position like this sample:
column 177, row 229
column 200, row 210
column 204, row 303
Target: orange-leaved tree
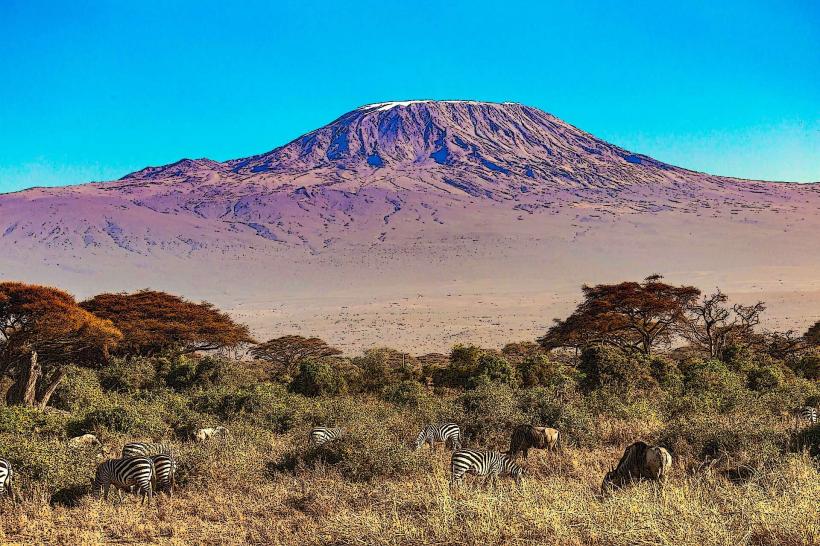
column 632, row 316
column 154, row 322
column 42, row 330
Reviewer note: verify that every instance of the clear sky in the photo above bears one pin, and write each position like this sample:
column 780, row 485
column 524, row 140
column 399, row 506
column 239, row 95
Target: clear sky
column 92, row 90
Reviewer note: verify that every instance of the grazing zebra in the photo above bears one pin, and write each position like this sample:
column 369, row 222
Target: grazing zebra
column 319, row 436
column 806, row 413
column 129, row 474
column 483, row 463
column 6, row 474
column 449, row 433
column 165, row 469
column 142, row 449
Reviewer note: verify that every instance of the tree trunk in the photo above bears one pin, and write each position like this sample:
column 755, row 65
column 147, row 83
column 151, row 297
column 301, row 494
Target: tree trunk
column 45, row 395
column 24, row 390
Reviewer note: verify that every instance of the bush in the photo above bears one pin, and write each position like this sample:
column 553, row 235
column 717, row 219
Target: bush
column 24, row 420
column 46, row 464
column 539, row 370
column 79, row 390
column 129, row 375
column 710, row 386
column 492, row 368
column 316, row 378
column 208, row 371
column 407, row 393
column 135, row 419
column 490, row 413
column 765, row 378
column 747, row 438
column 383, row 367
column 606, row 366
column 267, row 403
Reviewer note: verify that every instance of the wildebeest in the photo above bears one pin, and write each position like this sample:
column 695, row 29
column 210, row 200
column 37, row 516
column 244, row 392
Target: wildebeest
column 640, row 461
column 526, row 437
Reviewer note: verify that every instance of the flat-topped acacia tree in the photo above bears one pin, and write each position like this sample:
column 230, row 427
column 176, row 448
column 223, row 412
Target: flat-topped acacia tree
column 154, row 322
column 632, row 316
column 42, row 331
column 287, row 352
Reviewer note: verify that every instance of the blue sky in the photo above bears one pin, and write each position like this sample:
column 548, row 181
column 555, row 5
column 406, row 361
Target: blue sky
column 94, row 90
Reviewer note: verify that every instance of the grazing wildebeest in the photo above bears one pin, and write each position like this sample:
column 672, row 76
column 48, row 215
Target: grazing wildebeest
column 640, row 461
column 526, row 437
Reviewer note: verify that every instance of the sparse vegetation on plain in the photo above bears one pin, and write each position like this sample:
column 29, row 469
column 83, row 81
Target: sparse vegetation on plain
column 744, row 468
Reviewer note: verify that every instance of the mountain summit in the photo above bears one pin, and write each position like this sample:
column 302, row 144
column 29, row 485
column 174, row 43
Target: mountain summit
column 418, row 197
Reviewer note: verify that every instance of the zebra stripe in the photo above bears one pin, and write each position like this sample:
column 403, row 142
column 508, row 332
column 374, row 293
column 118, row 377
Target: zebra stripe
column 449, row 433
column 6, row 474
column 125, row 474
column 142, row 449
column 319, row 436
column 165, row 470
column 807, row 413
column 483, row 463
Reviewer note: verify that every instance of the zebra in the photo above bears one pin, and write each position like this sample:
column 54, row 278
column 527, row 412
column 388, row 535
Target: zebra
column 483, row 463
column 449, row 433
column 806, row 413
column 319, row 436
column 128, row 474
column 142, row 449
column 6, row 474
column 165, row 469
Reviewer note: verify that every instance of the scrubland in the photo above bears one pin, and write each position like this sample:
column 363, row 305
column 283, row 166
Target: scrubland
column 744, row 471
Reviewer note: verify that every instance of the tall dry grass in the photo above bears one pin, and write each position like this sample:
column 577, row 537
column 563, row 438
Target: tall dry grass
column 236, row 494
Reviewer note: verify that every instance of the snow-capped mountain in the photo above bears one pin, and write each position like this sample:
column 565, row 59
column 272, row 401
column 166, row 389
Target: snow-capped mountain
column 453, row 189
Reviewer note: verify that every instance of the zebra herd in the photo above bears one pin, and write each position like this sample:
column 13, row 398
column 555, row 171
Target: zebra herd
column 143, row 468
column 149, row 468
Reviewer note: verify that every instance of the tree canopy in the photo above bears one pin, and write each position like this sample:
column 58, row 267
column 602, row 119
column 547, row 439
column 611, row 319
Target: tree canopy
column 42, row 329
column 154, row 322
column 633, row 316
column 286, row 353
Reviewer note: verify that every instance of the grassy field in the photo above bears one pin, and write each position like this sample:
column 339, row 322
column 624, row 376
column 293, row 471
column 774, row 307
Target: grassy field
column 237, row 492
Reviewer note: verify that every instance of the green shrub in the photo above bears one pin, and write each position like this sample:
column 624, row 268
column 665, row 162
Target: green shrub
column 23, row 420
column 129, row 375
column 317, row 378
column 604, row 366
column 710, row 386
column 538, row 370
column 266, row 403
column 492, row 368
column 78, row 391
column 490, row 413
column 384, row 366
column 46, row 464
column 208, row 371
column 765, row 378
column 407, row 393
column 137, row 419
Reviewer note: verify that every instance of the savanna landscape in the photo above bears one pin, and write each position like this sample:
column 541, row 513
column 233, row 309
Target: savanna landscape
column 410, row 273
column 643, row 360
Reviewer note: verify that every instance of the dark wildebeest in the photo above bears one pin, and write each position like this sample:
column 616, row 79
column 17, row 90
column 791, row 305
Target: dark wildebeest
column 526, row 437
column 639, row 462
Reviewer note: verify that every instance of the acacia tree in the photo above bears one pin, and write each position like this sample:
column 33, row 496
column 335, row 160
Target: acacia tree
column 286, row 353
column 631, row 316
column 154, row 322
column 42, row 330
column 711, row 325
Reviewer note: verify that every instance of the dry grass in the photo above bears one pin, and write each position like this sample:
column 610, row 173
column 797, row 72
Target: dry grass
column 558, row 504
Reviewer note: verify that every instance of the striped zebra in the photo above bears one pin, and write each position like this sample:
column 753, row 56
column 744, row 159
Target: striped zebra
column 142, row 449
column 483, row 463
column 448, row 433
column 806, row 413
column 165, row 469
column 319, row 436
column 6, row 474
column 132, row 474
